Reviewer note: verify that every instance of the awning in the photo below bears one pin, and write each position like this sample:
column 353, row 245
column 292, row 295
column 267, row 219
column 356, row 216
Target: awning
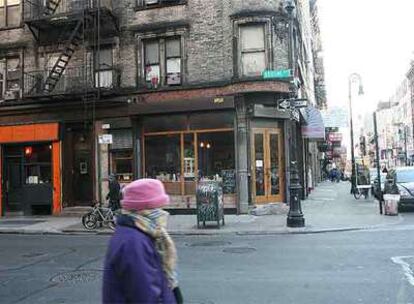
column 314, row 127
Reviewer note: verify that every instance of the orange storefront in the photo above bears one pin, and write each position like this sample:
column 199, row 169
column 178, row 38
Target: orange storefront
column 30, row 169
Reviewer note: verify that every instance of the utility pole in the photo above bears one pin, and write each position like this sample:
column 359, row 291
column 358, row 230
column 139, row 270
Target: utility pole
column 353, row 77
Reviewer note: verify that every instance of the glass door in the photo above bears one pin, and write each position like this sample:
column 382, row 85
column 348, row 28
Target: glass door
column 267, row 166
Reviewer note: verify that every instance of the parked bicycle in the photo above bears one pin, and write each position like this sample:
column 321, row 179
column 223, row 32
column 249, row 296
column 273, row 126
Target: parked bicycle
column 99, row 216
column 362, row 190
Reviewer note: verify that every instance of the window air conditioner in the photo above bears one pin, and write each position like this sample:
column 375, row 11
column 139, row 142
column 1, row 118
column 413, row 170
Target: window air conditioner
column 11, row 95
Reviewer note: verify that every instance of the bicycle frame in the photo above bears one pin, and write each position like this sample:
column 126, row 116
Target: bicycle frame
column 105, row 214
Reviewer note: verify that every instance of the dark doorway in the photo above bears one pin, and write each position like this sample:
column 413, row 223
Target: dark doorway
column 13, row 183
column 77, row 165
column 27, row 179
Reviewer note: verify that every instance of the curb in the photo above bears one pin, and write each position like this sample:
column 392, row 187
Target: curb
column 215, row 232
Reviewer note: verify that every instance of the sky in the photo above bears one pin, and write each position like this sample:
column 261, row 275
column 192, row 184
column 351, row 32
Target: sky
column 374, row 38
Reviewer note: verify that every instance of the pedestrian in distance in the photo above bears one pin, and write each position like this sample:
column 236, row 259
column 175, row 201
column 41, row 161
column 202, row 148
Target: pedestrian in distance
column 140, row 263
column 114, row 194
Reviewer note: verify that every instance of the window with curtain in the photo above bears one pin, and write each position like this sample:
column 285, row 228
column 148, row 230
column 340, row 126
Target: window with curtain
column 167, row 51
column 104, row 68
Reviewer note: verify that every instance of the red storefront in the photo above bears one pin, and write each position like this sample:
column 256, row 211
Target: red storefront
column 30, row 169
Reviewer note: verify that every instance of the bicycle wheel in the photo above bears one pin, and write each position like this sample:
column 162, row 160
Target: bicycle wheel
column 357, row 193
column 89, row 221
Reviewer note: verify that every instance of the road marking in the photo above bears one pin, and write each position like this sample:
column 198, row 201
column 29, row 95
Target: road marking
column 405, row 266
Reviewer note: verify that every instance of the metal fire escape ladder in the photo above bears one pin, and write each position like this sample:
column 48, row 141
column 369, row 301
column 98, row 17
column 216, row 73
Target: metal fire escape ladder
column 51, row 7
column 59, row 67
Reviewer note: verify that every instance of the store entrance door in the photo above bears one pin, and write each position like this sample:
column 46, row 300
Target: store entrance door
column 13, row 183
column 267, row 166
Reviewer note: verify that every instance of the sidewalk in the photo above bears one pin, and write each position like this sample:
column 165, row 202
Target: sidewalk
column 329, row 208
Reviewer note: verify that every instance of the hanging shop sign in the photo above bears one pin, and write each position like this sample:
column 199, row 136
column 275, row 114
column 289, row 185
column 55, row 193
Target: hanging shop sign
column 335, row 137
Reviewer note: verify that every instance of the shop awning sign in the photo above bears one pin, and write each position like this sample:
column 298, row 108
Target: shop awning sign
column 105, row 139
column 314, row 128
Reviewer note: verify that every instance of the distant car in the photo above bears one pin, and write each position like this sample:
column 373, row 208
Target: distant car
column 401, row 180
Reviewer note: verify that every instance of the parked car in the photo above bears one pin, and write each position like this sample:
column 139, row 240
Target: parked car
column 401, row 180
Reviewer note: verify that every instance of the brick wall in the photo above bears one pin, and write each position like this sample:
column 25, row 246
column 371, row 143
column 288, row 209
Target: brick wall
column 209, row 54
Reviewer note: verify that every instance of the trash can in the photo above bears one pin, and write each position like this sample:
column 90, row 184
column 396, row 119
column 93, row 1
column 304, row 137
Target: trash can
column 210, row 205
column 391, row 204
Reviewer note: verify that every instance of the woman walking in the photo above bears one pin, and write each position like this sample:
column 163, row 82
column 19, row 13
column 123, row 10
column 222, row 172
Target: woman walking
column 140, row 264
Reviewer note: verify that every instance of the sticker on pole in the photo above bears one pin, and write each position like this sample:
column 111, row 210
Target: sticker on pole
column 105, row 139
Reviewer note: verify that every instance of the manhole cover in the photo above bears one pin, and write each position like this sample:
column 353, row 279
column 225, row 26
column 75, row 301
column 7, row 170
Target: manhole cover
column 33, row 254
column 20, row 222
column 239, row 250
column 77, row 277
column 209, row 244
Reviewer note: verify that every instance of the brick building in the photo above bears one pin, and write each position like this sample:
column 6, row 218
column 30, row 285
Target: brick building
column 177, row 84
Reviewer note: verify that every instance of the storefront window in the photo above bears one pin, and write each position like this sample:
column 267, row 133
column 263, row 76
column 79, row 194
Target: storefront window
column 163, row 161
column 122, row 162
column 182, row 150
column 216, row 159
column 37, row 164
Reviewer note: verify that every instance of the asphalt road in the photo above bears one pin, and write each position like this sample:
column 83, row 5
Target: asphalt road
column 346, row 267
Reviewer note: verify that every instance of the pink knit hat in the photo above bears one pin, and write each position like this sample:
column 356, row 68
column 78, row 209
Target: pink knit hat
column 144, row 194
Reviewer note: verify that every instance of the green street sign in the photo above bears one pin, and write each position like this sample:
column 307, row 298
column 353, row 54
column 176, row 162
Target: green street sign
column 276, row 74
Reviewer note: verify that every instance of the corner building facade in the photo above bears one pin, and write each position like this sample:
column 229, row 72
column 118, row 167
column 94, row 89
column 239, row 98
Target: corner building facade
column 178, row 85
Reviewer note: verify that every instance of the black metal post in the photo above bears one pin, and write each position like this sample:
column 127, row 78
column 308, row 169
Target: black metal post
column 295, row 216
column 378, row 161
column 353, row 76
column 353, row 174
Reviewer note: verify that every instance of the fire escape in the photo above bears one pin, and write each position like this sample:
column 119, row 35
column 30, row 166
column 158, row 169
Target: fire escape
column 68, row 26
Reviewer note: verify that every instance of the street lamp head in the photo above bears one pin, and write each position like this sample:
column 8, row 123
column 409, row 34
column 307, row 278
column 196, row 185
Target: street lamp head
column 361, row 90
column 289, row 6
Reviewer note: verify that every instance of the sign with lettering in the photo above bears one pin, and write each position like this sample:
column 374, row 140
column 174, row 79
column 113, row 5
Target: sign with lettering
column 276, row 74
column 105, row 139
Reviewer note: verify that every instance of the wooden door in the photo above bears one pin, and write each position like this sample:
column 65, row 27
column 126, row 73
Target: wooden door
column 267, row 166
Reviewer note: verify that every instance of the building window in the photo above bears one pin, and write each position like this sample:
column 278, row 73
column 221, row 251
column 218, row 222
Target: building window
column 10, row 78
column 158, row 51
column 173, row 61
column 252, row 50
column 104, row 69
column 10, row 14
column 152, row 63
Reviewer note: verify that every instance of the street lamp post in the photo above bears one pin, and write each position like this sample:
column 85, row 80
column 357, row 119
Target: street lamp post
column 352, row 78
column 295, row 216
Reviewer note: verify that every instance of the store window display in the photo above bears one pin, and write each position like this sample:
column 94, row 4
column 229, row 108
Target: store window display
column 181, row 152
column 162, row 160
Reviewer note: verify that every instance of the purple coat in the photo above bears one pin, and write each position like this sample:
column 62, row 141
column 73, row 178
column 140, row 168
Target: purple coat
column 133, row 271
